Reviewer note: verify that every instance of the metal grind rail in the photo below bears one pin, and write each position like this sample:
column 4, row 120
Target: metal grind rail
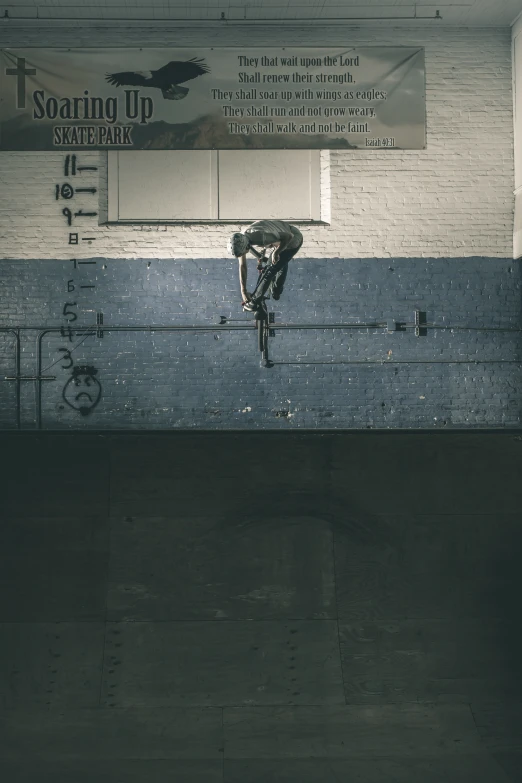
column 419, row 326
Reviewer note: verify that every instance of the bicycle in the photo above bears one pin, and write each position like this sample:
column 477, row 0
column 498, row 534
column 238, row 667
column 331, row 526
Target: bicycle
column 261, row 314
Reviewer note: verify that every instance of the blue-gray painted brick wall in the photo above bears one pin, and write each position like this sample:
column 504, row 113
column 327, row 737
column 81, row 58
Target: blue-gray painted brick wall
column 158, row 380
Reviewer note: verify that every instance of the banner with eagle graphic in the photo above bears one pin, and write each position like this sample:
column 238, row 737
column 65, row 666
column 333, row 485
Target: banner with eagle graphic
column 220, row 98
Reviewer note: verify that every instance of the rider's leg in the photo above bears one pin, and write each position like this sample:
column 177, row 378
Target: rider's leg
column 281, row 270
column 274, row 278
column 276, row 288
column 265, row 280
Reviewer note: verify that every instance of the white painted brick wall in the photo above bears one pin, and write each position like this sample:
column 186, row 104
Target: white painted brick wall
column 453, row 199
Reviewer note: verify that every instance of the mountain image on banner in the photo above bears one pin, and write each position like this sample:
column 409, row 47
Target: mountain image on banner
column 204, row 133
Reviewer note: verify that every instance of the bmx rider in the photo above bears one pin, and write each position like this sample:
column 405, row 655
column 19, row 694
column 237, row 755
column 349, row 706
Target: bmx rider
column 283, row 239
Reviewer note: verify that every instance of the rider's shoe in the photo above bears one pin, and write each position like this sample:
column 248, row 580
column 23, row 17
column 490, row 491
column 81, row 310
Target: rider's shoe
column 275, row 296
column 251, row 306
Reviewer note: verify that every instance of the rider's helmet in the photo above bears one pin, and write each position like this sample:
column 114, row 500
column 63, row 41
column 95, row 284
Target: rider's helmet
column 238, row 244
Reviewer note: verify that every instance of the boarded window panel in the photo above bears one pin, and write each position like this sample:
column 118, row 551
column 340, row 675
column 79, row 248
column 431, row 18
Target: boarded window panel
column 163, row 185
column 281, row 184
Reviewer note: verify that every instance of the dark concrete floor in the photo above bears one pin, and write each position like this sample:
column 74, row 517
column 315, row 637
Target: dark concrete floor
column 199, row 607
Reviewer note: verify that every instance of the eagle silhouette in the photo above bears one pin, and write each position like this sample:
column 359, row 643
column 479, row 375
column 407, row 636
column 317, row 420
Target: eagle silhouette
column 166, row 79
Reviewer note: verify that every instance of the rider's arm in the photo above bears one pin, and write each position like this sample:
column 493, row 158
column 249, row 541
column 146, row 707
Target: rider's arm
column 281, row 245
column 243, row 275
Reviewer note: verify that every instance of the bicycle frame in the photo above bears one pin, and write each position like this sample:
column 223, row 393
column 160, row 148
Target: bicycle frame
column 262, row 318
column 262, row 268
column 259, row 255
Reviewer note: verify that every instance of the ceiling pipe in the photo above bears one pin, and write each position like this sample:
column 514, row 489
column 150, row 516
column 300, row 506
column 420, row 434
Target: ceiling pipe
column 222, row 20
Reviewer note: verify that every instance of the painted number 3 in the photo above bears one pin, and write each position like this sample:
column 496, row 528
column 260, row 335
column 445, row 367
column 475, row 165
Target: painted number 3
column 66, row 357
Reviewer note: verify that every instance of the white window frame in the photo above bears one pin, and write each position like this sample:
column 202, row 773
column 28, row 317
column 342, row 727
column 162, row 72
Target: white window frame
column 319, row 193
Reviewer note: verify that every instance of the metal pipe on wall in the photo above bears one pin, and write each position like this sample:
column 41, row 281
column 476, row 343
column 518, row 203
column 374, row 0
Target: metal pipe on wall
column 16, row 378
column 93, row 330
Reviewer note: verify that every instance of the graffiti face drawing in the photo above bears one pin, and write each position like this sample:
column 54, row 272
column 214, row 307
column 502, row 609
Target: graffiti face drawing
column 82, row 392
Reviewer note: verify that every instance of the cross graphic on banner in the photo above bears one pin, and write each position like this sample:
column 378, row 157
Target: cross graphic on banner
column 21, row 73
